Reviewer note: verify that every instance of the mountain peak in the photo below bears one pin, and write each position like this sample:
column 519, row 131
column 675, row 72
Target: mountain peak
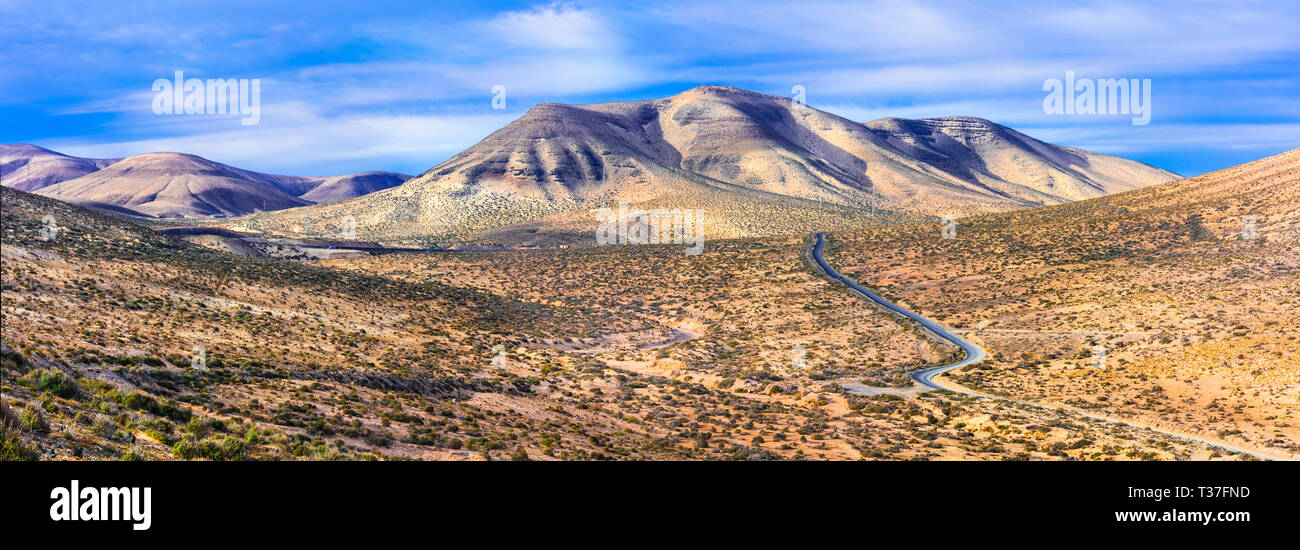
column 9, row 149
column 751, row 160
column 167, row 158
column 28, row 167
column 173, row 184
column 719, row 89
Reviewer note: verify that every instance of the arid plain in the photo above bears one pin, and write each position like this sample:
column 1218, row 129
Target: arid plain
column 1126, row 314
column 643, row 352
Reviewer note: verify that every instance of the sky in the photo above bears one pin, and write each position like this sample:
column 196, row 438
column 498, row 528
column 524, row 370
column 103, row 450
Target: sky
column 402, row 86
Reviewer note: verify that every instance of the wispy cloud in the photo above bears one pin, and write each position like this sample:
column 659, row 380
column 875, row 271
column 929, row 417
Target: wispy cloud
column 555, row 27
column 319, row 147
column 78, row 71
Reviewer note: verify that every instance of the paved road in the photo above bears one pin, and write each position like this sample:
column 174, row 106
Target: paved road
column 975, row 354
column 924, row 377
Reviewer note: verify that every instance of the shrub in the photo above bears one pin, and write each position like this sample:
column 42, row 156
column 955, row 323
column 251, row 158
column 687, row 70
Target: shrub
column 11, row 359
column 197, row 427
column 103, row 426
column 227, row 448
column 33, row 420
column 186, row 449
column 141, row 402
column 159, row 437
column 56, row 383
column 11, row 443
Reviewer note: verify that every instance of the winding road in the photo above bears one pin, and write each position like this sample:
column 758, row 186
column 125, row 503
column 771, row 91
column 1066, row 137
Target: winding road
column 974, row 354
column 924, row 377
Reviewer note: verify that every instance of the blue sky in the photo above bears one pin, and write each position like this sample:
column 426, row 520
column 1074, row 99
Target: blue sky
column 401, row 86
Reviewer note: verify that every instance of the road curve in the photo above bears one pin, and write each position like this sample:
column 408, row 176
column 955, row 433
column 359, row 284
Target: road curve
column 975, row 354
column 924, row 377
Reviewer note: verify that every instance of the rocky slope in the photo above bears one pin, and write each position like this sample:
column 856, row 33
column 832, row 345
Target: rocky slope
column 28, row 167
column 755, row 164
column 183, row 185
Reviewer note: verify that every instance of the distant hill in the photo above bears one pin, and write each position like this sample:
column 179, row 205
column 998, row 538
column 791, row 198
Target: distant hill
column 183, row 185
column 1210, row 206
column 176, row 185
column 336, row 188
column 756, row 164
column 28, row 167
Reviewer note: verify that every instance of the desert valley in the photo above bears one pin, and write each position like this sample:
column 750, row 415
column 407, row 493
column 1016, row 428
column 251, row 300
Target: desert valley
column 166, row 306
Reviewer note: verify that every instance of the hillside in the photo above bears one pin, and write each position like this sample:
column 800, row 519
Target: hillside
column 337, row 188
column 1189, row 287
column 121, row 342
column 756, row 164
column 28, row 167
column 173, row 185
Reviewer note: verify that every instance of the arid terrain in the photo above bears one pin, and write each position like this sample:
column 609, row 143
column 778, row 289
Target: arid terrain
column 1172, row 306
column 28, row 167
column 757, row 164
column 173, row 185
column 123, row 342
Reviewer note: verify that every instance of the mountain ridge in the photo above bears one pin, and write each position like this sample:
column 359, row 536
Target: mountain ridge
column 173, row 184
column 18, row 159
column 718, row 148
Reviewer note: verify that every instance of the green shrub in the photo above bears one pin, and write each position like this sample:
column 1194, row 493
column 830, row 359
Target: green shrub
column 33, row 420
column 56, row 383
column 159, row 437
column 13, row 448
column 11, row 442
column 141, row 402
column 103, row 426
column 519, row 455
column 186, row 450
column 197, row 427
column 228, row 448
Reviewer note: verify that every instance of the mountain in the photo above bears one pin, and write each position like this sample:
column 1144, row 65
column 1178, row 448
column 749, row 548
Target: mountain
column 336, row 188
column 756, row 164
column 1188, row 287
column 176, row 185
column 1268, row 189
column 183, row 185
column 1210, row 208
column 28, row 167
column 979, row 156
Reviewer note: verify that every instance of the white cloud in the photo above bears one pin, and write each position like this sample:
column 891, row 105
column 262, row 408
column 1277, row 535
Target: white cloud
column 396, row 143
column 554, row 27
column 867, row 30
column 863, row 59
